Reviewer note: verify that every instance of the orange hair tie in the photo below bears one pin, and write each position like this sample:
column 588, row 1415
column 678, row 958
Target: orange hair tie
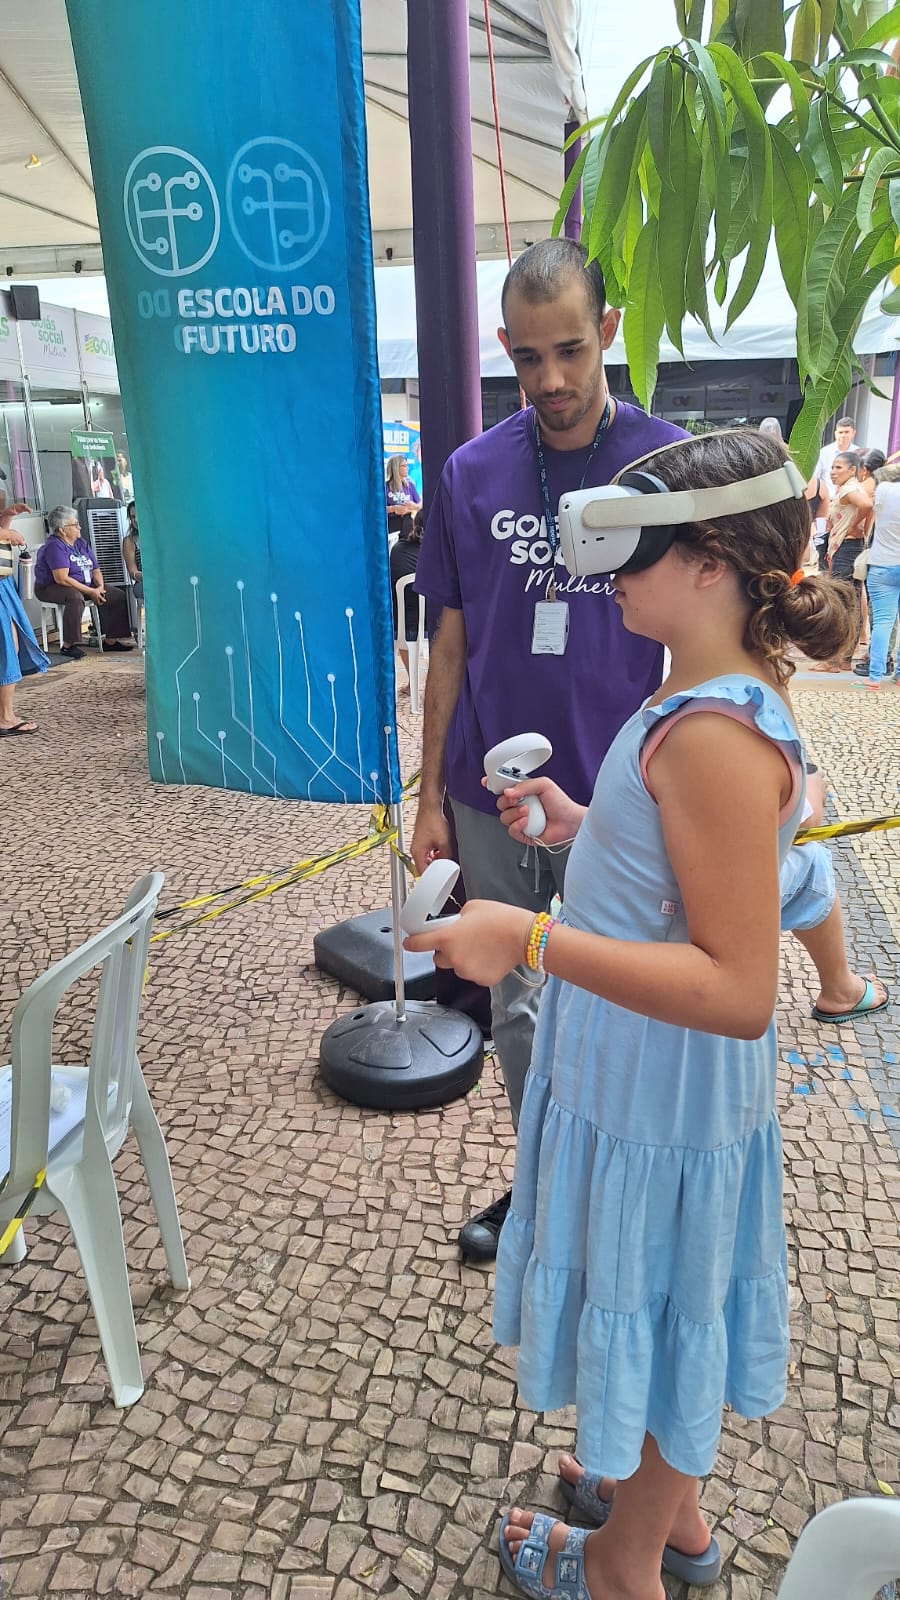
column 797, row 577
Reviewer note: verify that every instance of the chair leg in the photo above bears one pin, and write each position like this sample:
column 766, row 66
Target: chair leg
column 95, row 614
column 87, row 1194
column 155, row 1157
column 44, row 629
column 16, row 1251
column 414, row 676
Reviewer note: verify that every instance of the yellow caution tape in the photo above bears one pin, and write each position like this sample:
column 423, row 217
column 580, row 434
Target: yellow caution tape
column 842, row 830
column 15, row 1223
column 379, row 832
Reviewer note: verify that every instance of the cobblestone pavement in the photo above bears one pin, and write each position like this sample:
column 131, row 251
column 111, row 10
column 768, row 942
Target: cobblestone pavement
column 325, row 1415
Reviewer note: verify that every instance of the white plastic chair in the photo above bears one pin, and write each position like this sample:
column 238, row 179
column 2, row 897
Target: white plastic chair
column 74, row 1120
column 51, row 611
column 848, row 1552
column 417, row 647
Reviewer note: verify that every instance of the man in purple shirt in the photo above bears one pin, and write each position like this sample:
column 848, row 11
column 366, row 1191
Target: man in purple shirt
column 490, row 558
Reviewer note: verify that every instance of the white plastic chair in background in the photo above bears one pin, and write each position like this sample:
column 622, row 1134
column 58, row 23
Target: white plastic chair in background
column 850, row 1551
column 417, row 647
column 51, row 611
column 74, row 1120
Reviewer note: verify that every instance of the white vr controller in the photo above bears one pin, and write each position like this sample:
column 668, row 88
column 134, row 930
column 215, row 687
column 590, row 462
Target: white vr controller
column 506, row 763
column 426, row 897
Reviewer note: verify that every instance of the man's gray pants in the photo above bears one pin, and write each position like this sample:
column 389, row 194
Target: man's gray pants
column 496, row 867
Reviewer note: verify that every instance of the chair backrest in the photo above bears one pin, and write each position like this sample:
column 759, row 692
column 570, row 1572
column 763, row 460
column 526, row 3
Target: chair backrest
column 848, row 1552
column 400, row 589
column 121, row 948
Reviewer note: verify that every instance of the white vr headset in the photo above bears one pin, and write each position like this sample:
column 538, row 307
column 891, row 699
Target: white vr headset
column 629, row 525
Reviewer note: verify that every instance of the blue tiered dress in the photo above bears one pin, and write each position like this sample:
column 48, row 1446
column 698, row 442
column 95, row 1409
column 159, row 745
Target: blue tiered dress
column 642, row 1269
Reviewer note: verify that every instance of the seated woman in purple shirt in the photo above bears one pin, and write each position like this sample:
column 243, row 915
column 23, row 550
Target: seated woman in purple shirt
column 402, row 496
column 66, row 574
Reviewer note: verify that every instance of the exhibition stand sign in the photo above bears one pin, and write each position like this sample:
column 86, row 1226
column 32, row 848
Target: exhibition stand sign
column 95, row 471
column 234, row 215
column 404, row 439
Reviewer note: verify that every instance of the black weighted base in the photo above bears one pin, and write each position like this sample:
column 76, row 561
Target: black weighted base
column 360, row 953
column 371, row 1059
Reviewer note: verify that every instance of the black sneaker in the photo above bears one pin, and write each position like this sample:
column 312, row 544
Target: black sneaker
column 479, row 1237
column 72, row 652
column 861, row 668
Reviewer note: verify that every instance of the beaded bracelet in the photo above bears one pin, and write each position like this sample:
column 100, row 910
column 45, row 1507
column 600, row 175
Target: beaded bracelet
column 536, row 943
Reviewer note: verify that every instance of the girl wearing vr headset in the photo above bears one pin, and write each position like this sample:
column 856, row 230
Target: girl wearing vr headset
column 642, row 1270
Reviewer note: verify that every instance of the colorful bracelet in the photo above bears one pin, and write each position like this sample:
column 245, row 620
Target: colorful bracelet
column 536, row 943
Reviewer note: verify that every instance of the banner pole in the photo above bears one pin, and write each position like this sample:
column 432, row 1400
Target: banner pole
column 398, row 899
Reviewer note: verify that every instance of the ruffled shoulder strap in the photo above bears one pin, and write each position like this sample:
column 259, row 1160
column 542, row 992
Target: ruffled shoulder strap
column 746, row 700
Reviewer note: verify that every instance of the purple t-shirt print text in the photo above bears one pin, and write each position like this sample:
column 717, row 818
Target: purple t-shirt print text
column 54, row 555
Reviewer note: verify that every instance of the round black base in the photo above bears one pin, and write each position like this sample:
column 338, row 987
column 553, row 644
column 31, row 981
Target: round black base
column 371, row 1059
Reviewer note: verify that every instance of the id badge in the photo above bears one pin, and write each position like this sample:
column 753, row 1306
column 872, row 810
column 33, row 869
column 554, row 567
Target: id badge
column 550, row 633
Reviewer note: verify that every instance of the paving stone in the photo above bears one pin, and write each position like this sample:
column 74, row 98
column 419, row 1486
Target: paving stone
column 325, row 1415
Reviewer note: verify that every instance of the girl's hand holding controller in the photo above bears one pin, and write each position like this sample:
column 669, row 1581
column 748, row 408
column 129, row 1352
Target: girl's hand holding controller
column 563, row 815
column 482, row 944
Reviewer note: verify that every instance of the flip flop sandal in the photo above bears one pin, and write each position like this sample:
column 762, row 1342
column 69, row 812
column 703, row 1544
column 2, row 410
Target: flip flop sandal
column 864, row 1005
column 525, row 1568
column 16, row 730
column 586, row 1503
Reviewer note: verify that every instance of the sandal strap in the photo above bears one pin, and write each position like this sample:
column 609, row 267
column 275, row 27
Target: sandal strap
column 532, row 1554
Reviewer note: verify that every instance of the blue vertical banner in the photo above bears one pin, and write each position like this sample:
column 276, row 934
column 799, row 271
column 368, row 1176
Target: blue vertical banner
column 230, row 171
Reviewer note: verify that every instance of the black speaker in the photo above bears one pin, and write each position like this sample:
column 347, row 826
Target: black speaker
column 26, row 302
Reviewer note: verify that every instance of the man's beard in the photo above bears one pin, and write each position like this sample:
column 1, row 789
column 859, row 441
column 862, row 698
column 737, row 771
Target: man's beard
column 565, row 421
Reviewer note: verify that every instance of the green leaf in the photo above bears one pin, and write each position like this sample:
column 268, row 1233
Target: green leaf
column 805, row 35
column 890, row 303
column 713, row 98
column 660, row 104
column 827, row 19
column 740, row 213
column 569, row 187
column 821, row 145
column 887, row 27
column 867, row 58
column 820, row 401
column 609, row 117
column 885, row 90
column 759, row 156
column 616, row 172
column 822, row 289
column 894, row 198
column 791, row 211
column 720, row 18
column 759, row 25
column 876, row 166
column 690, row 17
column 677, row 207
column 799, row 92
column 590, row 177
column 644, row 315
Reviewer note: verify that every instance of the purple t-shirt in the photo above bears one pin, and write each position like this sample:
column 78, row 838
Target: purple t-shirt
column 485, row 553
column 77, row 559
column 397, row 497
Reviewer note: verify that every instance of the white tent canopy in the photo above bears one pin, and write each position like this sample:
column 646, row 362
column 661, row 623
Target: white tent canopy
column 765, row 331
column 48, row 217
column 550, row 54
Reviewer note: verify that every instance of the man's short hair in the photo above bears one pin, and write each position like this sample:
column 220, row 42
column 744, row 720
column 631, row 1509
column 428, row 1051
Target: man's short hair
column 845, row 422
column 542, row 271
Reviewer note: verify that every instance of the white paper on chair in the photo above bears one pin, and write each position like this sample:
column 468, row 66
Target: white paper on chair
column 68, row 1097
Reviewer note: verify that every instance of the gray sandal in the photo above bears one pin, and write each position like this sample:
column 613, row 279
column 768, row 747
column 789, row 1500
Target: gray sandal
column 592, row 1512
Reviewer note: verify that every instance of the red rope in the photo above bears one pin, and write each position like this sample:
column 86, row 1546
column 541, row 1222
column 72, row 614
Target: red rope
column 490, row 49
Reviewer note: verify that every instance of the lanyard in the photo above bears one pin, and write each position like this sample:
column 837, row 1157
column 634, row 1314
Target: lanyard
column 549, row 514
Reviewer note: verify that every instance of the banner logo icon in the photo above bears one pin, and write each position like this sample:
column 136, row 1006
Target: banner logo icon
column 278, row 204
column 171, row 211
